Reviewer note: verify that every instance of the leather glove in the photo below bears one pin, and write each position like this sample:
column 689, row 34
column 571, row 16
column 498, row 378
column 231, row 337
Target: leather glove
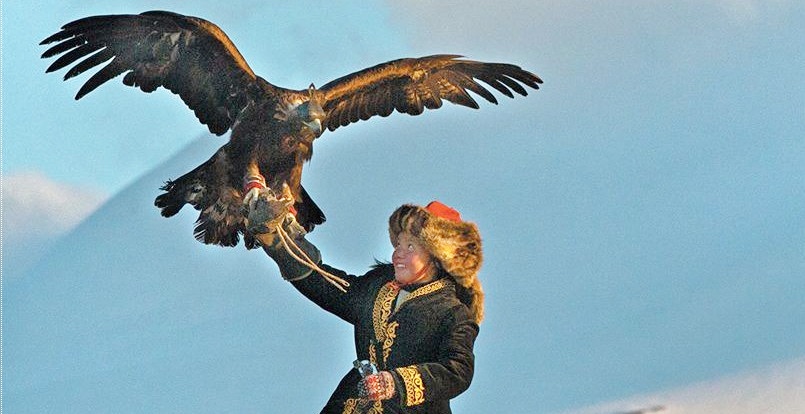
column 377, row 387
column 266, row 213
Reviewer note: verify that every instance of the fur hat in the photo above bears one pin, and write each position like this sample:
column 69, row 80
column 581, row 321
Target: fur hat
column 455, row 244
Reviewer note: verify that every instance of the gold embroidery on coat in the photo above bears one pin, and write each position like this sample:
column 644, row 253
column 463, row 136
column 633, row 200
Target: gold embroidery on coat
column 429, row 288
column 350, row 405
column 414, row 388
column 376, row 409
column 388, row 341
column 372, row 353
column 361, row 406
column 385, row 332
column 382, row 309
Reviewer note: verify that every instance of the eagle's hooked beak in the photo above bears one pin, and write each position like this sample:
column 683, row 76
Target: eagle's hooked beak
column 314, row 126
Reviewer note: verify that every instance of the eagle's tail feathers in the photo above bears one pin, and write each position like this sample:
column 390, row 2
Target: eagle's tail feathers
column 167, row 202
column 250, row 241
column 211, row 232
column 187, row 189
column 222, row 221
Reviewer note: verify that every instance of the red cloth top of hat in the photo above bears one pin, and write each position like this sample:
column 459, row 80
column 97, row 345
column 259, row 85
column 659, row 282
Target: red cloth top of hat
column 440, row 210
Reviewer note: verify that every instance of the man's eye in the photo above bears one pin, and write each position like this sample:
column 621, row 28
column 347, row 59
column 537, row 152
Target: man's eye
column 411, row 247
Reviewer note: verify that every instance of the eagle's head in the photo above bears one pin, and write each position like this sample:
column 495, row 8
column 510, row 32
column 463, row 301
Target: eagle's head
column 302, row 117
column 310, row 114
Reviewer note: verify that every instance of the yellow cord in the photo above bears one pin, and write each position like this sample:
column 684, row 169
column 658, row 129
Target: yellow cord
column 289, row 245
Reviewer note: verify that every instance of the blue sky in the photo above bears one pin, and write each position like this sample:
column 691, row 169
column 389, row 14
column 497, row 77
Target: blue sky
column 641, row 213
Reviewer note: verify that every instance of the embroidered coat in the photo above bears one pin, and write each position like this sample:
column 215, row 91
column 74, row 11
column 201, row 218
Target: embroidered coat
column 424, row 337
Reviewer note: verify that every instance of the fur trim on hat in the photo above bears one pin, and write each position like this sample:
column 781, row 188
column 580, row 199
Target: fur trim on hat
column 456, row 246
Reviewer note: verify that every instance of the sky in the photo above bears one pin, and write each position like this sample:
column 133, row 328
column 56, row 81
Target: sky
column 641, row 213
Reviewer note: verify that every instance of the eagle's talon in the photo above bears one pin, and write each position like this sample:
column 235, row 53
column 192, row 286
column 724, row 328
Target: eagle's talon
column 265, row 212
column 251, row 197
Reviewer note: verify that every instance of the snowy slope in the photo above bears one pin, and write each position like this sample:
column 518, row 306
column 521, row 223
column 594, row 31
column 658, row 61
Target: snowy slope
column 779, row 389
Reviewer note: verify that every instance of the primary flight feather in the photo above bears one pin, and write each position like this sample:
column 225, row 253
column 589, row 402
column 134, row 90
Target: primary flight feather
column 272, row 128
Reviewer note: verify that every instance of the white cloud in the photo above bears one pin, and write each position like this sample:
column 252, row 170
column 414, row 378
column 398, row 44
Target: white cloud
column 778, row 389
column 36, row 206
column 36, row 211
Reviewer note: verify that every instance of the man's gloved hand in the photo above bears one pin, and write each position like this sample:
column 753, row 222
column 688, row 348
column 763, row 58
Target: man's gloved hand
column 270, row 221
column 377, row 387
column 266, row 212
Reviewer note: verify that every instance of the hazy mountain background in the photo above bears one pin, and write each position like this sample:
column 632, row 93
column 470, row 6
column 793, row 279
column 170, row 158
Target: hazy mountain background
column 128, row 313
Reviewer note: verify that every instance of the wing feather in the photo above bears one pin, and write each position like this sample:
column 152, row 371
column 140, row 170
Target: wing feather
column 189, row 56
column 413, row 84
column 62, row 47
column 72, row 56
column 497, row 84
column 514, row 85
column 89, row 62
column 108, row 72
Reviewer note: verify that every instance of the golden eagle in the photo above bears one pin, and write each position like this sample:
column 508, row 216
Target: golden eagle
column 273, row 128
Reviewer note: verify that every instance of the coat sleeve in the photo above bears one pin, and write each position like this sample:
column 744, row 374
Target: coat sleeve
column 345, row 305
column 447, row 377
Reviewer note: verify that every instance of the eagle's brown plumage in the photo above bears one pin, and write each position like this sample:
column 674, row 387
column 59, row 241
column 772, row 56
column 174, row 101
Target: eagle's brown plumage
column 411, row 85
column 205, row 68
column 273, row 128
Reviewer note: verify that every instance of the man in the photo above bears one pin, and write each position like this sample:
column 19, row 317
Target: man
column 415, row 319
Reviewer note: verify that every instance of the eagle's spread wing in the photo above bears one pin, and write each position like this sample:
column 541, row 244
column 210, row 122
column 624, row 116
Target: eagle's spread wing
column 187, row 55
column 410, row 85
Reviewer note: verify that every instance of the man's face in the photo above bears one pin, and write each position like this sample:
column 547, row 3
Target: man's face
column 409, row 258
